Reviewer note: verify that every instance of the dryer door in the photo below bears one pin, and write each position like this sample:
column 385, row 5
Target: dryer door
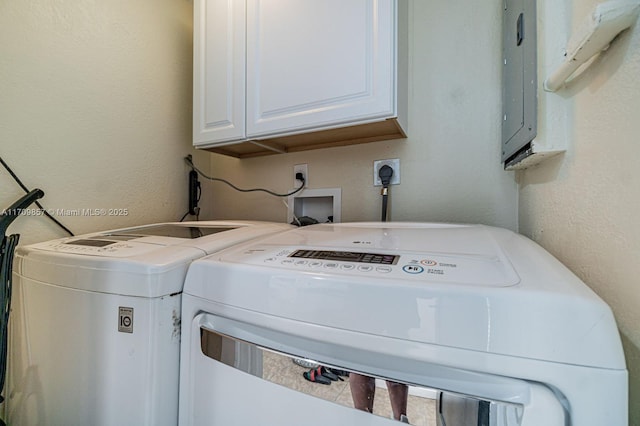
column 269, row 387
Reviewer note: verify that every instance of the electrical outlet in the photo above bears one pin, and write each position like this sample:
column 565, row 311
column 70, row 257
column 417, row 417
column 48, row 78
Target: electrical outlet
column 300, row 168
column 394, row 163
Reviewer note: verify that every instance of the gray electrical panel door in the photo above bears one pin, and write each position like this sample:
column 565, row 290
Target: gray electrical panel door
column 519, row 82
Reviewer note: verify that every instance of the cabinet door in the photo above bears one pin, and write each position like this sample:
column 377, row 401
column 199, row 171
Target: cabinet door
column 219, row 71
column 319, row 64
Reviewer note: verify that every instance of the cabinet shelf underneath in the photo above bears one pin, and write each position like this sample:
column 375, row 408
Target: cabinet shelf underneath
column 351, row 135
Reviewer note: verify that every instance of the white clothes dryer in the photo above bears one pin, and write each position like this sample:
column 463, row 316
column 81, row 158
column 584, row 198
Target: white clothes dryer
column 482, row 314
column 95, row 322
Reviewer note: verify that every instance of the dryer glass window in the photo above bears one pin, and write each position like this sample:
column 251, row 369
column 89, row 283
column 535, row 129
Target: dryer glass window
column 318, row 380
column 415, row 404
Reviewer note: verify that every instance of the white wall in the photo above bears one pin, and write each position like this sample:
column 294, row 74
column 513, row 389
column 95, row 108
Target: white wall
column 95, row 109
column 450, row 164
column 583, row 206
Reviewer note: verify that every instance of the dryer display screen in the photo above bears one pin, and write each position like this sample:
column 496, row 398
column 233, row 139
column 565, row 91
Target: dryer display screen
column 91, row 243
column 347, row 256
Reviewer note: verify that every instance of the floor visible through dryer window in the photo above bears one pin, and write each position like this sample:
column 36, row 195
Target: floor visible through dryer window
column 280, row 369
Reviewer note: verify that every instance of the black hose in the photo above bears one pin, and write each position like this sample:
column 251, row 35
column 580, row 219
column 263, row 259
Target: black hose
column 10, row 214
column 7, row 250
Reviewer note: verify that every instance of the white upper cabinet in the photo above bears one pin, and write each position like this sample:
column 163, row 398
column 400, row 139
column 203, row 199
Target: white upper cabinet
column 313, row 63
column 287, row 75
column 219, row 34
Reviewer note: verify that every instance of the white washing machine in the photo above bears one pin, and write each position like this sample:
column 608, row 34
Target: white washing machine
column 95, row 322
column 481, row 314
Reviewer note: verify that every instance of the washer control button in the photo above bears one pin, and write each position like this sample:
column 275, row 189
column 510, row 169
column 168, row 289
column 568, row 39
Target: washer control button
column 413, row 269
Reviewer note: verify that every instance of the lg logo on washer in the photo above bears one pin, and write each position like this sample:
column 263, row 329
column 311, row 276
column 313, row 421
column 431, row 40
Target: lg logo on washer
column 125, row 319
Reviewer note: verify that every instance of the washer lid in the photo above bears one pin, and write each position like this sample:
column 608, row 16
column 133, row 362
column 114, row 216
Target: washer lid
column 175, row 230
column 147, row 261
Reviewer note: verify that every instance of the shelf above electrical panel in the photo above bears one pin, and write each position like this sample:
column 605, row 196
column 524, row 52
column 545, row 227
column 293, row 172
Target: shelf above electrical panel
column 597, row 32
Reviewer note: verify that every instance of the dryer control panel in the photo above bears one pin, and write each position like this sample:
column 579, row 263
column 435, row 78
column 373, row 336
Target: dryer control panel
column 471, row 269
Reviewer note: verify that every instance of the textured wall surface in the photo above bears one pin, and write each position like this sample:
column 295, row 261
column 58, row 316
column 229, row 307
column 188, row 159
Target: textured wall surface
column 450, row 163
column 96, row 109
column 583, row 206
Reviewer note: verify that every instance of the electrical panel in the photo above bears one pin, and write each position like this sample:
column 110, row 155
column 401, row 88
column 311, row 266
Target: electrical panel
column 519, row 79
